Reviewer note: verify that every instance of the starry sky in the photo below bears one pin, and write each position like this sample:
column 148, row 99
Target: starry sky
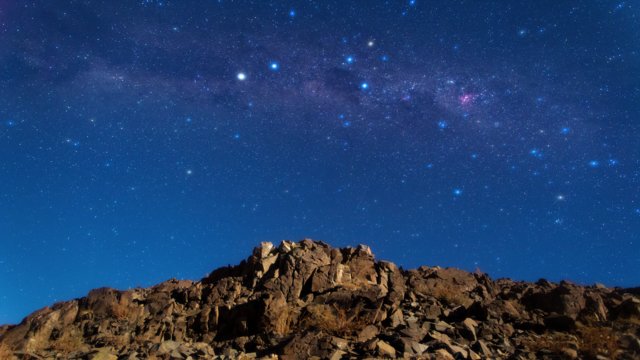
column 144, row 140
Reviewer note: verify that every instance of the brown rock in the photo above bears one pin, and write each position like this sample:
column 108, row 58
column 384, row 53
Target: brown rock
column 629, row 309
column 307, row 300
column 470, row 329
column 565, row 299
column 385, row 349
column 103, row 354
column 337, row 355
column 442, row 354
column 569, row 353
column 368, row 333
column 481, row 347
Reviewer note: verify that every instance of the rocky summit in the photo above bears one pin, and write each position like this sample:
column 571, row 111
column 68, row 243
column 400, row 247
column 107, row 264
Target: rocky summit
column 307, row 300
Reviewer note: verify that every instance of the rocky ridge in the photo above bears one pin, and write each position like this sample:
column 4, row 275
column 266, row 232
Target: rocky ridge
column 307, row 300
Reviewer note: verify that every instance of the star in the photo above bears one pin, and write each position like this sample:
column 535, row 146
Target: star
column 229, row 102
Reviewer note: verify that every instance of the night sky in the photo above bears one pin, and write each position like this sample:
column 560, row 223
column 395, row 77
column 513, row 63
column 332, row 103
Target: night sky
column 145, row 140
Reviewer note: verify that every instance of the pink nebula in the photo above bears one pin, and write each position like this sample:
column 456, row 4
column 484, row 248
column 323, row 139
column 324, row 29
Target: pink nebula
column 466, row 99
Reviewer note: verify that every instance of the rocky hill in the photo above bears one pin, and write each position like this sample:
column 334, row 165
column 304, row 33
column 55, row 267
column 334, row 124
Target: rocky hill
column 308, row 300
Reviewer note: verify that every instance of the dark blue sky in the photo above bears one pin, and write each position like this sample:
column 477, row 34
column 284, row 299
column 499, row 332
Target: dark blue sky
column 143, row 140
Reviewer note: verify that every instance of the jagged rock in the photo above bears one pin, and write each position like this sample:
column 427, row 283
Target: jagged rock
column 629, row 309
column 470, row 329
column 418, row 348
column 439, row 337
column 337, row 355
column 443, row 327
column 103, row 354
column 482, row 348
column 459, row 351
column 368, row 333
column 566, row 299
column 385, row 349
column 442, row 354
column 307, row 300
column 569, row 353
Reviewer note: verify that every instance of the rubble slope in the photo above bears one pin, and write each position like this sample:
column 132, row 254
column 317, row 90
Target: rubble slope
column 308, row 300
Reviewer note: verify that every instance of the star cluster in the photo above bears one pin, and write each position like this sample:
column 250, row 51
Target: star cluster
column 159, row 139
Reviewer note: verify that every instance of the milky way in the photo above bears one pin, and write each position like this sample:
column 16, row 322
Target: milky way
column 144, row 140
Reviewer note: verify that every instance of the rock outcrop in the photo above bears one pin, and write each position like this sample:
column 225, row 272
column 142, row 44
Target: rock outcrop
column 308, row 300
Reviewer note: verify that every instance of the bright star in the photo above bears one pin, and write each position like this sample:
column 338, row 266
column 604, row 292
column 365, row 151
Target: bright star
column 189, row 171
column 242, row 76
column 292, row 13
column 274, row 66
column 350, row 59
column 370, row 43
column 364, row 86
column 594, row 163
column 457, row 192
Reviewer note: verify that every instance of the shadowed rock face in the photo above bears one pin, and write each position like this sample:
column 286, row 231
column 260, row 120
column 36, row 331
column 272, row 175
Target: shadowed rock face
column 309, row 300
